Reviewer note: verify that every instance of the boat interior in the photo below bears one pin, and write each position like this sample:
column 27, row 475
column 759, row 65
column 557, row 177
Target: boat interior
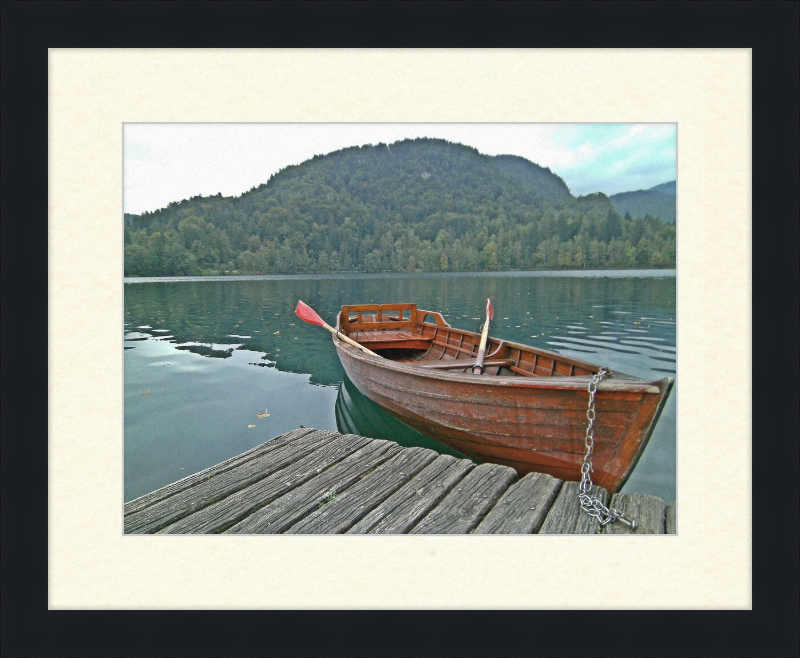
column 406, row 334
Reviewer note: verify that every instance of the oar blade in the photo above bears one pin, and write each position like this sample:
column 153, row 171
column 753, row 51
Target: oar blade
column 307, row 314
column 489, row 309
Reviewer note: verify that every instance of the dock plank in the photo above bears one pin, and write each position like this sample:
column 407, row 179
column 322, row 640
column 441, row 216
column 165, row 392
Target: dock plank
column 287, row 510
column 647, row 511
column 466, row 505
column 523, row 508
column 183, row 503
column 401, row 511
column 219, row 517
column 153, row 497
column 671, row 519
column 321, row 482
column 346, row 510
column 566, row 516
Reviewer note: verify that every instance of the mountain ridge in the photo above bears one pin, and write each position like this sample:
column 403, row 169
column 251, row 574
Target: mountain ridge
column 413, row 205
column 659, row 201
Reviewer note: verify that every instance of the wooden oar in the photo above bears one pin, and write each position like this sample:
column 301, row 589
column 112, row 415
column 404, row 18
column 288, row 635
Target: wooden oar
column 484, row 338
column 307, row 314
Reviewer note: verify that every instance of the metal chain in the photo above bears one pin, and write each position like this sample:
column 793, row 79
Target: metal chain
column 591, row 504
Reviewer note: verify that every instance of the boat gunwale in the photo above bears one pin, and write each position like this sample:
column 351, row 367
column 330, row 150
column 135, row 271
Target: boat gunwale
column 506, row 343
column 619, row 382
column 615, row 382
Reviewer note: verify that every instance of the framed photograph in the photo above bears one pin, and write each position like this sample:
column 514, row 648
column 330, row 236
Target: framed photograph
column 274, row 71
column 220, row 357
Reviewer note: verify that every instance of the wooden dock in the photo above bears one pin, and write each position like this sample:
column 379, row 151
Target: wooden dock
column 321, row 482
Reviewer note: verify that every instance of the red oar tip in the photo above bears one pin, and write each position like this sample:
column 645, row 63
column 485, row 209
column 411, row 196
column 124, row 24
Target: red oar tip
column 307, row 314
column 489, row 309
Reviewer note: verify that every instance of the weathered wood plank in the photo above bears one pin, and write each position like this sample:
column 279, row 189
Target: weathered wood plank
column 345, row 510
column 153, row 497
column 401, row 511
column 216, row 488
column 218, row 517
column 671, row 519
column 321, row 482
column 466, row 504
column 566, row 516
column 298, row 503
column 523, row 508
column 647, row 511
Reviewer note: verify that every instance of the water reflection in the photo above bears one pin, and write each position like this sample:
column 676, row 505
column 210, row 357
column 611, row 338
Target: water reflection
column 357, row 414
column 623, row 320
column 636, row 315
column 206, row 350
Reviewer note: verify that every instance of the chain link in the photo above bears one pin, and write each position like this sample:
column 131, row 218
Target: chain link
column 591, row 504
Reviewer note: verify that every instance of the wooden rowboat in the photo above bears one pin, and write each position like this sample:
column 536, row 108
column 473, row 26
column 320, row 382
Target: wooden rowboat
column 527, row 410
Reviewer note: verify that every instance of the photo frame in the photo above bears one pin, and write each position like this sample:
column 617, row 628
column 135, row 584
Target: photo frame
column 767, row 171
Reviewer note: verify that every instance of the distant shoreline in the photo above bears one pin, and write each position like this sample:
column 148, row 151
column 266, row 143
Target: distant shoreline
column 641, row 272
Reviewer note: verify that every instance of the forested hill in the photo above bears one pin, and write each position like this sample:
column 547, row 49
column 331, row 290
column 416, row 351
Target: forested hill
column 659, row 201
column 540, row 179
column 415, row 205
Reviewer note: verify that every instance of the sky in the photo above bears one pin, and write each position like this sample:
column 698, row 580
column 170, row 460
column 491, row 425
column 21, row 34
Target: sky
column 165, row 162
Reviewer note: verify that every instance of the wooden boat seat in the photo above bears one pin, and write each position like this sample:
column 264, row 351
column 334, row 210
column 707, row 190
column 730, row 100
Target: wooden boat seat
column 391, row 339
column 384, row 326
column 453, row 364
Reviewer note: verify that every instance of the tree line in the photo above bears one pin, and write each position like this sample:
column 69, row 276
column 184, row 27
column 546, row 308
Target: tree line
column 416, row 205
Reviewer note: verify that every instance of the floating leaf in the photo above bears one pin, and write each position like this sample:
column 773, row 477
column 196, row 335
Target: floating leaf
column 147, row 393
column 262, row 415
column 276, row 333
column 250, row 427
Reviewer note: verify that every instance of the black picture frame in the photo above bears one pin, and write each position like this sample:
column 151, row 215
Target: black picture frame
column 769, row 28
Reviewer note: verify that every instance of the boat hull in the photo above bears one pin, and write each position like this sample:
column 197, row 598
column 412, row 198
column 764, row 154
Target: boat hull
column 533, row 424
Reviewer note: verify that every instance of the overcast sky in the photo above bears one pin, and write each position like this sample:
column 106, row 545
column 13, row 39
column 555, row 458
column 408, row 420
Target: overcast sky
column 166, row 162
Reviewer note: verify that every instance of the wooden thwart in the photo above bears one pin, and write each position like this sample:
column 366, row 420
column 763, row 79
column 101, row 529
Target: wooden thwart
column 320, row 482
column 391, row 339
column 465, row 363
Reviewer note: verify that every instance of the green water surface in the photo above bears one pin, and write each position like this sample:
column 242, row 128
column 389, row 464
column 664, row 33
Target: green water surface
column 205, row 356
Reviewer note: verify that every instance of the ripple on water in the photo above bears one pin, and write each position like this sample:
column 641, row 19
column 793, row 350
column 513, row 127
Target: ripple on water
column 207, row 404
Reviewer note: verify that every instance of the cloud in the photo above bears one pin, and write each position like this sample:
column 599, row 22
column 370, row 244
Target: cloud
column 613, row 158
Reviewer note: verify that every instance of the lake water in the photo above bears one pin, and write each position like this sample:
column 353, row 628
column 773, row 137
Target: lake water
column 205, row 356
